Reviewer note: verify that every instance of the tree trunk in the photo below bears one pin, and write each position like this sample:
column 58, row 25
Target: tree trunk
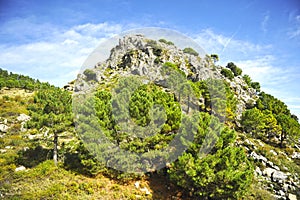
column 55, row 141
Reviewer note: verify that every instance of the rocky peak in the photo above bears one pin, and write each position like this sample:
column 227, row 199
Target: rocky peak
column 138, row 55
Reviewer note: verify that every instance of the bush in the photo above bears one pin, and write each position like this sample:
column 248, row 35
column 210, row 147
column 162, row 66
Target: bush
column 191, row 51
column 227, row 73
column 247, row 79
column 90, row 74
column 236, row 70
column 166, row 42
column 256, row 86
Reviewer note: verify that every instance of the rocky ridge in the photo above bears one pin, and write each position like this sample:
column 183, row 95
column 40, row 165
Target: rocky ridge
column 138, row 55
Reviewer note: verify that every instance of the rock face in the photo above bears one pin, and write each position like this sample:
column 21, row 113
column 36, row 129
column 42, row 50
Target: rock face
column 23, row 118
column 138, row 55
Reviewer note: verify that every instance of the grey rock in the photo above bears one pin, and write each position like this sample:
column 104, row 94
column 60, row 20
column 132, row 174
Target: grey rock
column 23, row 118
column 279, row 175
column 3, row 150
column 276, row 167
column 281, row 193
column 258, row 171
column 273, row 152
column 3, row 128
column 292, row 196
column 257, row 157
column 285, row 187
column 296, row 155
column 268, row 172
column 21, row 168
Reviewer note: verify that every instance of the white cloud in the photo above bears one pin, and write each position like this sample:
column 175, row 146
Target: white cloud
column 258, row 61
column 59, row 58
column 227, row 45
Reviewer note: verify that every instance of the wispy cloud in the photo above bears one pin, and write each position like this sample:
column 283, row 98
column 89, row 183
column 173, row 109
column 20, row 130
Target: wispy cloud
column 56, row 54
column 294, row 32
column 259, row 61
column 265, row 21
column 58, row 58
column 224, row 45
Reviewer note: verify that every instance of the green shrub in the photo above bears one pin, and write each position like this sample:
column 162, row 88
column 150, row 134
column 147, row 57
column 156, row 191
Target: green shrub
column 191, row 51
column 227, row 73
column 224, row 173
column 236, row 70
column 247, row 79
column 90, row 74
column 166, row 42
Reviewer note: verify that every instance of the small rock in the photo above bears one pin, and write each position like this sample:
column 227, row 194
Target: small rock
column 268, row 172
column 279, row 175
column 296, row 155
column 137, row 184
column 292, row 197
column 3, row 128
column 258, row 171
column 8, row 147
column 21, row 168
column 31, row 137
column 23, row 118
column 285, row 168
column 3, row 150
column 285, row 187
column 273, row 152
column 281, row 193
column 147, row 192
column 270, row 164
column 260, row 143
column 276, row 167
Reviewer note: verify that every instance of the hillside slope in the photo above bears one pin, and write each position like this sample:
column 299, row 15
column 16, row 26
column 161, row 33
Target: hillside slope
column 255, row 156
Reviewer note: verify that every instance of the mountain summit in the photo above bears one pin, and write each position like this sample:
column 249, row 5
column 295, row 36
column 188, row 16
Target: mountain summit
column 139, row 55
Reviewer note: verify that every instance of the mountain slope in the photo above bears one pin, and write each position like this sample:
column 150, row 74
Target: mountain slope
column 255, row 156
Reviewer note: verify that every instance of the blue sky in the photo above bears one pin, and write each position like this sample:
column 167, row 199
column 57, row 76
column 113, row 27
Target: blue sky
column 50, row 40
